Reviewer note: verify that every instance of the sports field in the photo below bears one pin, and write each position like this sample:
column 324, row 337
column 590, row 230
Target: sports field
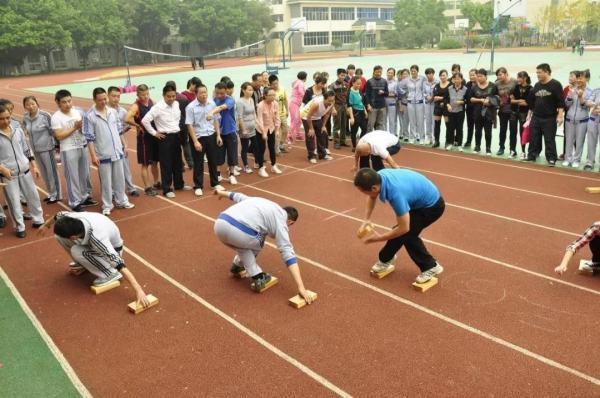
column 499, row 323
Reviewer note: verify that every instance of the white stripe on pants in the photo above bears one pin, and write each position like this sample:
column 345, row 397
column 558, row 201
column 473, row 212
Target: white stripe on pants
column 392, row 116
column 593, row 128
column 87, row 257
column 415, row 117
column 574, row 136
column 127, row 174
column 23, row 184
column 429, row 121
column 112, row 181
column 47, row 166
column 246, row 246
column 77, row 175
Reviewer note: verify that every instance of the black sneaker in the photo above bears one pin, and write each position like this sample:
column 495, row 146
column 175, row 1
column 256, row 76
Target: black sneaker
column 500, row 152
column 27, row 217
column 77, row 208
column 551, row 163
column 21, row 234
column 436, row 144
column 157, row 185
column 467, row 145
column 513, row 154
column 236, row 269
column 477, row 149
column 89, row 202
column 2, row 222
column 587, row 167
column 52, row 201
column 47, row 199
column 261, row 280
column 23, row 203
column 405, row 139
column 135, row 194
column 150, row 191
column 37, row 225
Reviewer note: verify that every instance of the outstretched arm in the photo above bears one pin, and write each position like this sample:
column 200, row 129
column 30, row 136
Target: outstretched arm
column 139, row 292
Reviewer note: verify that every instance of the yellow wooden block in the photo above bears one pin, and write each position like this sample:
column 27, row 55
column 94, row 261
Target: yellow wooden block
column 364, row 231
column 592, row 190
column 136, row 309
column 423, row 287
column 105, row 288
column 383, row 274
column 270, row 284
column 241, row 274
column 298, row 301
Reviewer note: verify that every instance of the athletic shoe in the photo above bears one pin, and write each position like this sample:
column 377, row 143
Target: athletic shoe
column 237, row 168
column 135, row 194
column 99, row 282
column 477, row 150
column 126, row 206
column 588, row 167
column 46, row 199
column 327, row 157
column 27, row 217
column 513, row 154
column 566, row 163
column 336, row 146
column 313, row 160
column 426, row 142
column 37, row 225
column 106, row 212
column 219, row 178
column 489, row 153
column 74, row 267
column 381, row 266
column 89, row 202
column 150, row 191
column 282, row 149
column 2, row 222
column 467, row 145
column 21, row 234
column 561, row 156
column 551, row 163
column 430, row 273
column 590, row 266
column 460, row 149
column 500, row 152
column 448, row 147
column 262, row 172
column 406, row 139
column 186, row 188
column 232, row 180
column 436, row 144
column 327, row 152
column 248, row 170
column 170, row 194
column 256, row 166
column 235, row 172
column 157, row 185
column 236, row 269
column 575, row 165
column 198, row 192
column 52, row 201
column 218, row 188
column 275, row 169
column 261, row 280
column 523, row 156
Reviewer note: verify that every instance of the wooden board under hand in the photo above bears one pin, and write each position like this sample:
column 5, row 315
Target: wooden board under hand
column 364, row 231
column 105, row 288
column 136, row 309
column 298, row 301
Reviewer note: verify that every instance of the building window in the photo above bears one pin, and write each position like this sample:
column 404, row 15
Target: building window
column 368, row 13
column 387, row 14
column 316, row 13
column 277, row 17
column 370, row 40
column 342, row 13
column 345, row 37
column 316, row 38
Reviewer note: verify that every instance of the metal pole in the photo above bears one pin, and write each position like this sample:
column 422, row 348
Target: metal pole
column 127, row 66
column 493, row 46
column 282, row 38
column 266, row 60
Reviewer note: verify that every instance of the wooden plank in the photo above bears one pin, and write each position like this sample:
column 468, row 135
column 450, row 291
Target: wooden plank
column 270, row 284
column 136, row 309
column 240, row 275
column 364, row 231
column 298, row 301
column 592, row 190
column 383, row 274
column 423, row 287
column 105, row 288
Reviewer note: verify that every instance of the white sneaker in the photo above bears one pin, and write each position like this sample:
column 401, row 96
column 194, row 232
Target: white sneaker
column 106, row 212
column 460, row 149
column 275, row 169
column 232, row 180
column 237, row 168
column 263, row 172
column 327, row 157
column 235, row 172
column 218, row 188
column 427, row 142
column 523, row 156
column 411, row 141
column 127, row 205
column 381, row 267
column 327, row 151
column 575, row 165
column 448, row 147
column 430, row 273
column 186, row 188
column 566, row 163
column 313, row 160
column 170, row 195
column 198, row 192
column 219, row 178
column 248, row 170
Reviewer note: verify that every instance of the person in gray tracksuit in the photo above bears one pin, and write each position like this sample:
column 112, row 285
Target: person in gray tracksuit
column 576, row 120
column 593, row 128
column 428, row 85
column 402, row 111
column 391, row 101
column 18, row 162
column 36, row 124
column 101, row 129
column 415, row 98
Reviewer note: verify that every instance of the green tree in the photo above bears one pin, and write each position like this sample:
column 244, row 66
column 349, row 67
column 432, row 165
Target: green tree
column 392, row 39
column 416, row 13
column 479, row 12
column 152, row 20
column 413, row 37
column 431, row 34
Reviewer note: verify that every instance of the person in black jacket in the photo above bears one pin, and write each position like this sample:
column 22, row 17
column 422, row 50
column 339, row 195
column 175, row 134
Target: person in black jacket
column 484, row 97
column 375, row 94
column 518, row 100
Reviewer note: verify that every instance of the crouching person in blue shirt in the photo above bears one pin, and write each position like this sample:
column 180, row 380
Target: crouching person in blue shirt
column 417, row 203
column 245, row 226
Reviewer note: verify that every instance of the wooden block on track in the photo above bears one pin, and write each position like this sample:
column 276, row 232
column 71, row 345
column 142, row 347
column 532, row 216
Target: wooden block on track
column 383, row 274
column 240, row 275
column 136, row 309
column 105, row 288
column 592, row 190
column 298, row 301
column 423, row 287
column 364, row 231
column 270, row 284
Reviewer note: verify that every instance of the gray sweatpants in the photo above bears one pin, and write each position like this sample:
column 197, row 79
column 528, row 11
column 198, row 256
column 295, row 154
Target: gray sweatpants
column 112, row 180
column 428, row 111
column 574, row 136
column 593, row 130
column 392, row 116
column 88, row 258
column 403, row 121
column 129, row 187
column 415, row 117
column 376, row 119
column 47, row 165
column 77, row 175
column 247, row 246
column 23, row 184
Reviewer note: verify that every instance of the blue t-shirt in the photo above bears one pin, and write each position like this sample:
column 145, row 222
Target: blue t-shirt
column 228, row 125
column 407, row 190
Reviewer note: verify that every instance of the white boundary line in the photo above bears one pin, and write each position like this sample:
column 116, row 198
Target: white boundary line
column 64, row 364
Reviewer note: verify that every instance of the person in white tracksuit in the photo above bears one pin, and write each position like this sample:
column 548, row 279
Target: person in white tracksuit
column 391, row 101
column 428, row 86
column 576, row 120
column 593, row 129
column 402, row 111
column 244, row 227
column 415, row 99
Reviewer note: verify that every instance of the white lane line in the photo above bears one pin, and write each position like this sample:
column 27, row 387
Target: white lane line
column 335, row 215
column 81, row 389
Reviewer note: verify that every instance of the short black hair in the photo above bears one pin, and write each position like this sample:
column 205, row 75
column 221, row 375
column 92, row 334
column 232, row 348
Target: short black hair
column 366, row 178
column 351, row 67
column 273, row 78
column 220, row 86
column 256, row 76
column 229, row 84
column 194, row 81
column 544, row 67
column 168, row 87
column 225, row 79
column 113, row 88
column 60, row 94
column 501, row 69
column 377, row 67
column 66, row 226
column 442, row 72
column 301, row 75
column 429, row 70
column 328, row 93
column 3, row 109
column 292, row 213
column 415, row 67
column 455, row 66
column 97, row 91
column 481, row 71
column 340, row 71
column 171, row 83
column 4, row 101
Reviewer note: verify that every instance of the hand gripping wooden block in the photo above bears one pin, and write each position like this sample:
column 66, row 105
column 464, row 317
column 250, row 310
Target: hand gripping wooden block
column 270, row 284
column 136, row 309
column 383, row 274
column 298, row 301
column 364, row 231
column 105, row 288
column 423, row 287
column 592, row 190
